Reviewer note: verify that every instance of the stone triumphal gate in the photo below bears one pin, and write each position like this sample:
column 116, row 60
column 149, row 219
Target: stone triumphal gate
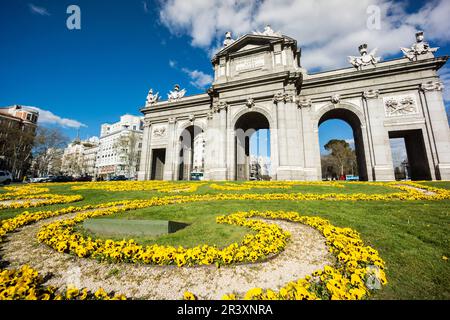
column 259, row 83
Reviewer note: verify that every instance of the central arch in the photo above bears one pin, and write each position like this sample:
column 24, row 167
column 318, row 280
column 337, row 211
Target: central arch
column 353, row 120
column 190, row 153
column 245, row 127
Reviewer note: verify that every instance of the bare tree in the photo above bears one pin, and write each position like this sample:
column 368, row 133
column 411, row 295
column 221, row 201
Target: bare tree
column 128, row 149
column 47, row 140
column 16, row 140
column 74, row 164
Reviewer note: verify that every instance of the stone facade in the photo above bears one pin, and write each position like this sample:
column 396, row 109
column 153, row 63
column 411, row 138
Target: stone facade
column 259, row 83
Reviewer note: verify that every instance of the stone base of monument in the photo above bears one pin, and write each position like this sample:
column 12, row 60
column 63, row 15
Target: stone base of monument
column 383, row 173
column 443, row 171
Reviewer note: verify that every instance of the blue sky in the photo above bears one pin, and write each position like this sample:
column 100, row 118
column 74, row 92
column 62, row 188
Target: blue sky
column 86, row 77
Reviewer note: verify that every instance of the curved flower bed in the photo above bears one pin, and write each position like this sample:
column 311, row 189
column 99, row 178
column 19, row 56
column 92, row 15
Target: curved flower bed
column 356, row 266
column 245, row 186
column 268, row 240
column 26, row 284
column 151, row 185
column 33, row 196
column 249, row 185
column 358, row 269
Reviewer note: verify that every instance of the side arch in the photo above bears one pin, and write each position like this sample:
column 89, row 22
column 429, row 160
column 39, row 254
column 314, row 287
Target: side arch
column 350, row 114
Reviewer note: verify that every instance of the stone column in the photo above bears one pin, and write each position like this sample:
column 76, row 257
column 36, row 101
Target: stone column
column 310, row 141
column 218, row 143
column 145, row 165
column 293, row 138
column 209, row 145
column 187, row 161
column 283, row 164
column 438, row 125
column 382, row 167
column 291, row 160
column 170, row 150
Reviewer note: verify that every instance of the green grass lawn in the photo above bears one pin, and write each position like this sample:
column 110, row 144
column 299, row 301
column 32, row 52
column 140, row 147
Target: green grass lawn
column 411, row 236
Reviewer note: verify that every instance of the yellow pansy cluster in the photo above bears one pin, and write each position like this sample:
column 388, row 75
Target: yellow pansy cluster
column 244, row 186
column 268, row 239
column 249, row 185
column 149, row 185
column 26, row 284
column 25, row 218
column 356, row 265
column 15, row 191
column 33, row 196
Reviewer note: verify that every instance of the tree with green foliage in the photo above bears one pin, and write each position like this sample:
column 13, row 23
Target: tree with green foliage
column 341, row 154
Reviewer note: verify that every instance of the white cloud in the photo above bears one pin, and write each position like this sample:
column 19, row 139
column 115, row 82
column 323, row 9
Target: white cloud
column 145, row 6
column 351, row 142
column 445, row 77
column 327, row 30
column 49, row 117
column 199, row 79
column 398, row 151
column 38, row 10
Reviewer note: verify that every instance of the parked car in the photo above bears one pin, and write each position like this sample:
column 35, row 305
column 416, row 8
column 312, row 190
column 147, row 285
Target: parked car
column 350, row 177
column 60, row 179
column 118, row 178
column 82, row 179
column 40, row 179
column 196, row 176
column 5, row 177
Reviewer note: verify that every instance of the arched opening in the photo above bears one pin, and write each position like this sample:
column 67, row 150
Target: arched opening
column 252, row 147
column 191, row 154
column 343, row 159
column 409, row 155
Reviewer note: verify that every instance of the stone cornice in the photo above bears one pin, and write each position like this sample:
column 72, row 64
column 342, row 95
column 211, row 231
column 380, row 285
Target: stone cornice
column 371, row 94
column 432, row 86
column 221, row 105
column 248, row 82
column 185, row 102
column 403, row 65
column 304, row 102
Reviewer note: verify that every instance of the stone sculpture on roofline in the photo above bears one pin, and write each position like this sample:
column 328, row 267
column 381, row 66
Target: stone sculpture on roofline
column 176, row 94
column 228, row 40
column 151, row 98
column 421, row 47
column 267, row 32
column 365, row 59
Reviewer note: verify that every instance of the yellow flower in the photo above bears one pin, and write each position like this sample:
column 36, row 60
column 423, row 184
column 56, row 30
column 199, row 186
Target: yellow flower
column 189, row 296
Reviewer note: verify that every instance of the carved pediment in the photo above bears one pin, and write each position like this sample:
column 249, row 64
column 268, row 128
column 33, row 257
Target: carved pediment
column 248, row 42
column 248, row 47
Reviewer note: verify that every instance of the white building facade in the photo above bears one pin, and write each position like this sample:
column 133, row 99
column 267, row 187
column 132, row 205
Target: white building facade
column 119, row 148
column 79, row 157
